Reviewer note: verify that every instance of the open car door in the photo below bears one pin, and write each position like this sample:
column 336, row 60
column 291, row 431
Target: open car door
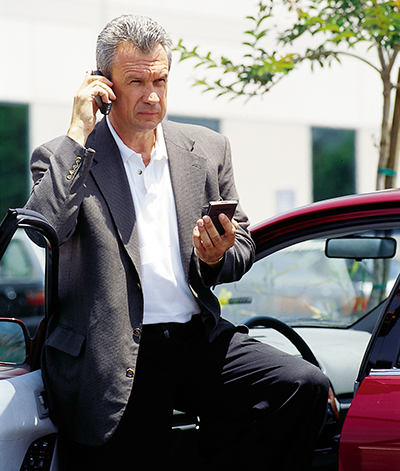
column 370, row 438
column 28, row 248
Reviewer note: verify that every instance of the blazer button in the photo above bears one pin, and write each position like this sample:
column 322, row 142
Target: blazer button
column 130, row 372
column 137, row 333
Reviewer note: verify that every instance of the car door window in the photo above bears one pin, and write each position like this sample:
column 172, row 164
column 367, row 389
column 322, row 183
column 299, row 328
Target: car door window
column 22, row 281
column 302, row 286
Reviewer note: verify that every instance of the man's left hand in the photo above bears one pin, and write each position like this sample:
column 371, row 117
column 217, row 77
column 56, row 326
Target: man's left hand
column 209, row 245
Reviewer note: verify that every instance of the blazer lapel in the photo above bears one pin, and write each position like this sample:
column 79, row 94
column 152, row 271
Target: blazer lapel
column 188, row 175
column 109, row 173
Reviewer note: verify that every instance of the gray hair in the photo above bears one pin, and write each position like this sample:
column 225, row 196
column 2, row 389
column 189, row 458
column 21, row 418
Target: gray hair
column 142, row 32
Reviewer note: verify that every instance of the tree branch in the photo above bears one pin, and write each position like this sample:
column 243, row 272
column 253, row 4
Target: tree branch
column 343, row 53
column 394, row 56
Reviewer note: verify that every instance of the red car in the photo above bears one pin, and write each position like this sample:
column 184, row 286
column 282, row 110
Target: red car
column 370, row 439
column 323, row 286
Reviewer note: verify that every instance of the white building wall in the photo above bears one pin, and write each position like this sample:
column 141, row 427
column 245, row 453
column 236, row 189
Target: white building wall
column 47, row 45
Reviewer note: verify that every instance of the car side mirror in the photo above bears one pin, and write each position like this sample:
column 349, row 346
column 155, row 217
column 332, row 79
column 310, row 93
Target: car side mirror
column 14, row 348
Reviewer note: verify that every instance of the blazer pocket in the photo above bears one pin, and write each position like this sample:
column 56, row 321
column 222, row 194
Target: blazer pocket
column 67, row 340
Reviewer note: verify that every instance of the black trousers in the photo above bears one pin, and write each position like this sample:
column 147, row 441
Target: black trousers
column 259, row 408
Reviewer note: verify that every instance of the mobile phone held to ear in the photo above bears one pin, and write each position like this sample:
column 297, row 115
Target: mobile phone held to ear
column 215, row 208
column 104, row 108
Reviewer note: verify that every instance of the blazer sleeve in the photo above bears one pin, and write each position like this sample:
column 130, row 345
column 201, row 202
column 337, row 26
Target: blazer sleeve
column 239, row 258
column 59, row 170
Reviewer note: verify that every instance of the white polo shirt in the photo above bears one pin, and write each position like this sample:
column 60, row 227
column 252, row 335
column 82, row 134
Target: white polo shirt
column 167, row 296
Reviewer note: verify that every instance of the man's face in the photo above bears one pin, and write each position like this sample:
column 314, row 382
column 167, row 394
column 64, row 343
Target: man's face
column 140, row 85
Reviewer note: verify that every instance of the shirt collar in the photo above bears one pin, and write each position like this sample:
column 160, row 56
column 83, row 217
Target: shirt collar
column 160, row 149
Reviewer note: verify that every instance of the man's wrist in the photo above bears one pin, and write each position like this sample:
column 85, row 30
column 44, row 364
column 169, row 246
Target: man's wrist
column 78, row 135
column 216, row 263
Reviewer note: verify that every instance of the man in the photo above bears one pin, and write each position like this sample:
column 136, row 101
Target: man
column 128, row 198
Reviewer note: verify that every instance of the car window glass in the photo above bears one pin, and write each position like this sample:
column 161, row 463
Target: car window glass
column 302, row 286
column 22, row 280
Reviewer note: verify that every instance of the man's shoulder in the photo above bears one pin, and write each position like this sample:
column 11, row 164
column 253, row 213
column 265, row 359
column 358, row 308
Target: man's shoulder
column 189, row 129
column 196, row 139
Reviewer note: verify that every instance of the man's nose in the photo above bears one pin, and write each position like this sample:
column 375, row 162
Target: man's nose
column 151, row 97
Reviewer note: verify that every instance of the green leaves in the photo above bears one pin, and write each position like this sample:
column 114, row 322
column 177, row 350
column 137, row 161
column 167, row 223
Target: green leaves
column 255, row 74
column 373, row 21
column 330, row 25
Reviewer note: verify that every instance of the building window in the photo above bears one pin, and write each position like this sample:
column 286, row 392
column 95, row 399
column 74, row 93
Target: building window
column 14, row 156
column 213, row 124
column 333, row 162
column 285, row 200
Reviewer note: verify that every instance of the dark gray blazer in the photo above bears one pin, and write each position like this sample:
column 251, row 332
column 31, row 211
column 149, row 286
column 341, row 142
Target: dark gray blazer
column 92, row 343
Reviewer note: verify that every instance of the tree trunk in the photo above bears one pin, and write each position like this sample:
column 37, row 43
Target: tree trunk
column 393, row 159
column 385, row 135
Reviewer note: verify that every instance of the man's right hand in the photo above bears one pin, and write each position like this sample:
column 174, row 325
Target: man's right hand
column 85, row 108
